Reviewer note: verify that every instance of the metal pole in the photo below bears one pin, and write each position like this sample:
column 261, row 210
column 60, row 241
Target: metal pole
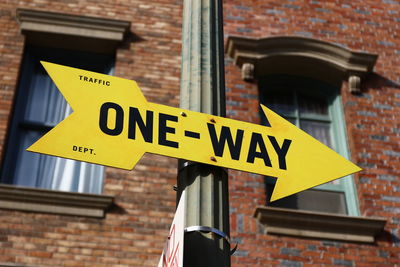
column 203, row 90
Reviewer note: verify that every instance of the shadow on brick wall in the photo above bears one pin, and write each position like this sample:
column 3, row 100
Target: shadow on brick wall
column 129, row 39
column 115, row 209
column 378, row 82
column 389, row 236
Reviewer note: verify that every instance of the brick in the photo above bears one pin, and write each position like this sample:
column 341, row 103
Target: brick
column 387, row 177
column 367, row 113
column 274, row 11
column 392, row 153
column 318, row 20
column 340, row 262
column 291, row 263
column 391, row 199
column 290, row 251
column 386, row 43
column 241, row 253
column 379, row 137
column 325, row 10
column 292, row 6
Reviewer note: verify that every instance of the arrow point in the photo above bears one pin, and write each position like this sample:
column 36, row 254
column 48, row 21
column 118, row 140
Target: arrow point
column 311, row 162
column 279, row 190
column 275, row 120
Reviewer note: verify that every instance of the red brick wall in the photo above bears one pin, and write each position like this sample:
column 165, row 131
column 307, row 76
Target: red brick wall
column 133, row 234
column 371, row 118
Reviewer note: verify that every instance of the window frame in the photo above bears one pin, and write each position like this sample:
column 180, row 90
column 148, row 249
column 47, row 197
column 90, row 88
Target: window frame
column 19, row 125
column 308, row 57
column 297, row 85
column 342, row 144
column 63, row 30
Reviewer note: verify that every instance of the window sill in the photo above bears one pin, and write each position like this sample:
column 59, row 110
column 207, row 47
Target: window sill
column 319, row 225
column 55, row 202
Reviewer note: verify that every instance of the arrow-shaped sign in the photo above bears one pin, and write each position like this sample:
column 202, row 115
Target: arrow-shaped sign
column 112, row 124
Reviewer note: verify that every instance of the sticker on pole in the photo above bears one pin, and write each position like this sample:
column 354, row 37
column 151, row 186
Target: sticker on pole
column 112, row 124
column 172, row 255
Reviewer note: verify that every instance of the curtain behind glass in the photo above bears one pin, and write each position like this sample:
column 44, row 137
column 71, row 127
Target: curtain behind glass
column 307, row 112
column 314, row 118
column 46, row 106
column 39, row 106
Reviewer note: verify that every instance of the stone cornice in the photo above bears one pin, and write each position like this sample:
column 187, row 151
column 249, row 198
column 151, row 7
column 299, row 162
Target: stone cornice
column 51, row 201
column 299, row 56
column 92, row 27
column 319, row 225
column 243, row 50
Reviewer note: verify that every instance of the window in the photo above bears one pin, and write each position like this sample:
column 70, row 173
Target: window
column 77, row 41
column 313, row 103
column 313, row 106
column 39, row 106
column 300, row 78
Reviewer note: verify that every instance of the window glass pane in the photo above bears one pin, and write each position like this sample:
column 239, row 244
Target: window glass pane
column 315, row 200
column 27, row 176
column 282, row 104
column 292, row 120
column 39, row 106
column 46, row 105
column 319, row 130
column 312, row 105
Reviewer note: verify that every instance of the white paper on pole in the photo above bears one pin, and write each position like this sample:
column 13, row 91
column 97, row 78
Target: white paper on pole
column 172, row 256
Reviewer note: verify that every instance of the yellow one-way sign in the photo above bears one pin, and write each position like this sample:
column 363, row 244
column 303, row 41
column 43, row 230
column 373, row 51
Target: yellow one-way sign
column 112, row 124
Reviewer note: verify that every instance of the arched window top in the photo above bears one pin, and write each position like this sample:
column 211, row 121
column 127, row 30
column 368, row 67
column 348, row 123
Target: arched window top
column 301, row 56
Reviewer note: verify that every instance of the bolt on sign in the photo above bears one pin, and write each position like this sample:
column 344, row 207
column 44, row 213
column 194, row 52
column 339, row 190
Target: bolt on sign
column 112, row 124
